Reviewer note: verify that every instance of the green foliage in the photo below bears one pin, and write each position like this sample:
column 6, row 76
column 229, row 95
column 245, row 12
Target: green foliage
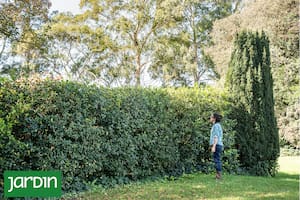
column 105, row 46
column 109, row 136
column 22, row 44
column 279, row 19
column 290, row 125
column 178, row 56
column 287, row 92
column 124, row 44
column 251, row 85
column 193, row 108
column 13, row 150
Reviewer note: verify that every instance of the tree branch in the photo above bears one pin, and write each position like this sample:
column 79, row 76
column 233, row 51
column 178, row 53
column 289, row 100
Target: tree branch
column 3, row 47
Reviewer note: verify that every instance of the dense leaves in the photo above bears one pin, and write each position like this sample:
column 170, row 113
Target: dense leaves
column 279, row 19
column 251, row 85
column 109, row 135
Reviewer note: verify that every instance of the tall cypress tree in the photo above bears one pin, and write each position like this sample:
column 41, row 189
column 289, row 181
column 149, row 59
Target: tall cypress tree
column 250, row 82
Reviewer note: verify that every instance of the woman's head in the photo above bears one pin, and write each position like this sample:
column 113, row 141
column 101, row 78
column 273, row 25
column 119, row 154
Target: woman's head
column 215, row 117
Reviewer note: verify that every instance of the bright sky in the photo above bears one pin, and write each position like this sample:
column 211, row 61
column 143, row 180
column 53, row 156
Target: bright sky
column 65, row 5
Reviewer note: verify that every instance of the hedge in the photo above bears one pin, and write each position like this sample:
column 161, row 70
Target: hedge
column 109, row 136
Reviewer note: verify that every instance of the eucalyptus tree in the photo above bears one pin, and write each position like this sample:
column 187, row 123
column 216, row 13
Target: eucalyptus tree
column 78, row 49
column 179, row 58
column 21, row 43
column 141, row 37
column 132, row 25
column 7, row 28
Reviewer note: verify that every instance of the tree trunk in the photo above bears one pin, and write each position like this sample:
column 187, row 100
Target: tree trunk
column 138, row 70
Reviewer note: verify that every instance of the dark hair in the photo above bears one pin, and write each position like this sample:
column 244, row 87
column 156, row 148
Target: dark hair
column 217, row 116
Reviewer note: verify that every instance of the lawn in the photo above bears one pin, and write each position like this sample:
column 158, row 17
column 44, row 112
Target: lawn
column 202, row 186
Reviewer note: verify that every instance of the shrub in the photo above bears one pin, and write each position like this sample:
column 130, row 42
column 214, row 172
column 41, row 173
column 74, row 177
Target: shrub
column 251, row 85
column 13, row 150
column 109, row 136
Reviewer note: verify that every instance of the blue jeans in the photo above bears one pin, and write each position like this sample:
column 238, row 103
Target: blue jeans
column 217, row 158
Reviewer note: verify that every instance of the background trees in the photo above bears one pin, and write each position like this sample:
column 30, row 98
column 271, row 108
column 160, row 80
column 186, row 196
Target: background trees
column 178, row 55
column 78, row 51
column 151, row 42
column 279, row 19
column 130, row 26
column 22, row 44
column 113, row 42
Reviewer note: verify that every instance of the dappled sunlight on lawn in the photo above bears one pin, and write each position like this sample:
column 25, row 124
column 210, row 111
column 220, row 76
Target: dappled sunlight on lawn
column 277, row 195
column 271, row 195
column 198, row 186
column 287, row 177
column 225, row 198
column 253, row 195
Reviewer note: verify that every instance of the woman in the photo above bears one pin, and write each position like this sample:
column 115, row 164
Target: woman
column 216, row 142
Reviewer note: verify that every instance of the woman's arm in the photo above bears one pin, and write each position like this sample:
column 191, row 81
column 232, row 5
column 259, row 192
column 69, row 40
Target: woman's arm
column 213, row 148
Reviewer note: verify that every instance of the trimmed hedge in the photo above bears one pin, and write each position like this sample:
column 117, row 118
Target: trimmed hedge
column 110, row 136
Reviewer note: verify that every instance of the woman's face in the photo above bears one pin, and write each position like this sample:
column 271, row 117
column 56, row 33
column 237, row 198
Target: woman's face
column 212, row 119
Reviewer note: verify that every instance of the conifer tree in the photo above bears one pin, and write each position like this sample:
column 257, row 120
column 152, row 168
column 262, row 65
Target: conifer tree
column 250, row 83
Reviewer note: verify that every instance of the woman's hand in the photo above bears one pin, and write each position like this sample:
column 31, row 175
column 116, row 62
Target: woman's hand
column 213, row 149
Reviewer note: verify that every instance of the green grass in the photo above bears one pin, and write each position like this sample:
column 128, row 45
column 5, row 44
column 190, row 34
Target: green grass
column 201, row 186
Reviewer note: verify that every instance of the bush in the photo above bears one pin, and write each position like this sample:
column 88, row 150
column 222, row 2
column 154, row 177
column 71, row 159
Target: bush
column 109, row 136
column 12, row 149
column 251, row 86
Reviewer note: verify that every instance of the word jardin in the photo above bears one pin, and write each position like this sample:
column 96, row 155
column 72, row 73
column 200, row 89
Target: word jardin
column 44, row 182
column 32, row 183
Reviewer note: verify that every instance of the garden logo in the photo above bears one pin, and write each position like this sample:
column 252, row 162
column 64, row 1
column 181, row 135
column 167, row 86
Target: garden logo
column 32, row 184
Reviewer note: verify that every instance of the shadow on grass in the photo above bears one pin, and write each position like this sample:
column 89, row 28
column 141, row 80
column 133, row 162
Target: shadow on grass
column 282, row 186
column 203, row 186
column 285, row 176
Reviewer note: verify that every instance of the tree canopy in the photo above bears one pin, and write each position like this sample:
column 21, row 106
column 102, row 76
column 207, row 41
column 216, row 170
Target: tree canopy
column 113, row 43
column 279, row 20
